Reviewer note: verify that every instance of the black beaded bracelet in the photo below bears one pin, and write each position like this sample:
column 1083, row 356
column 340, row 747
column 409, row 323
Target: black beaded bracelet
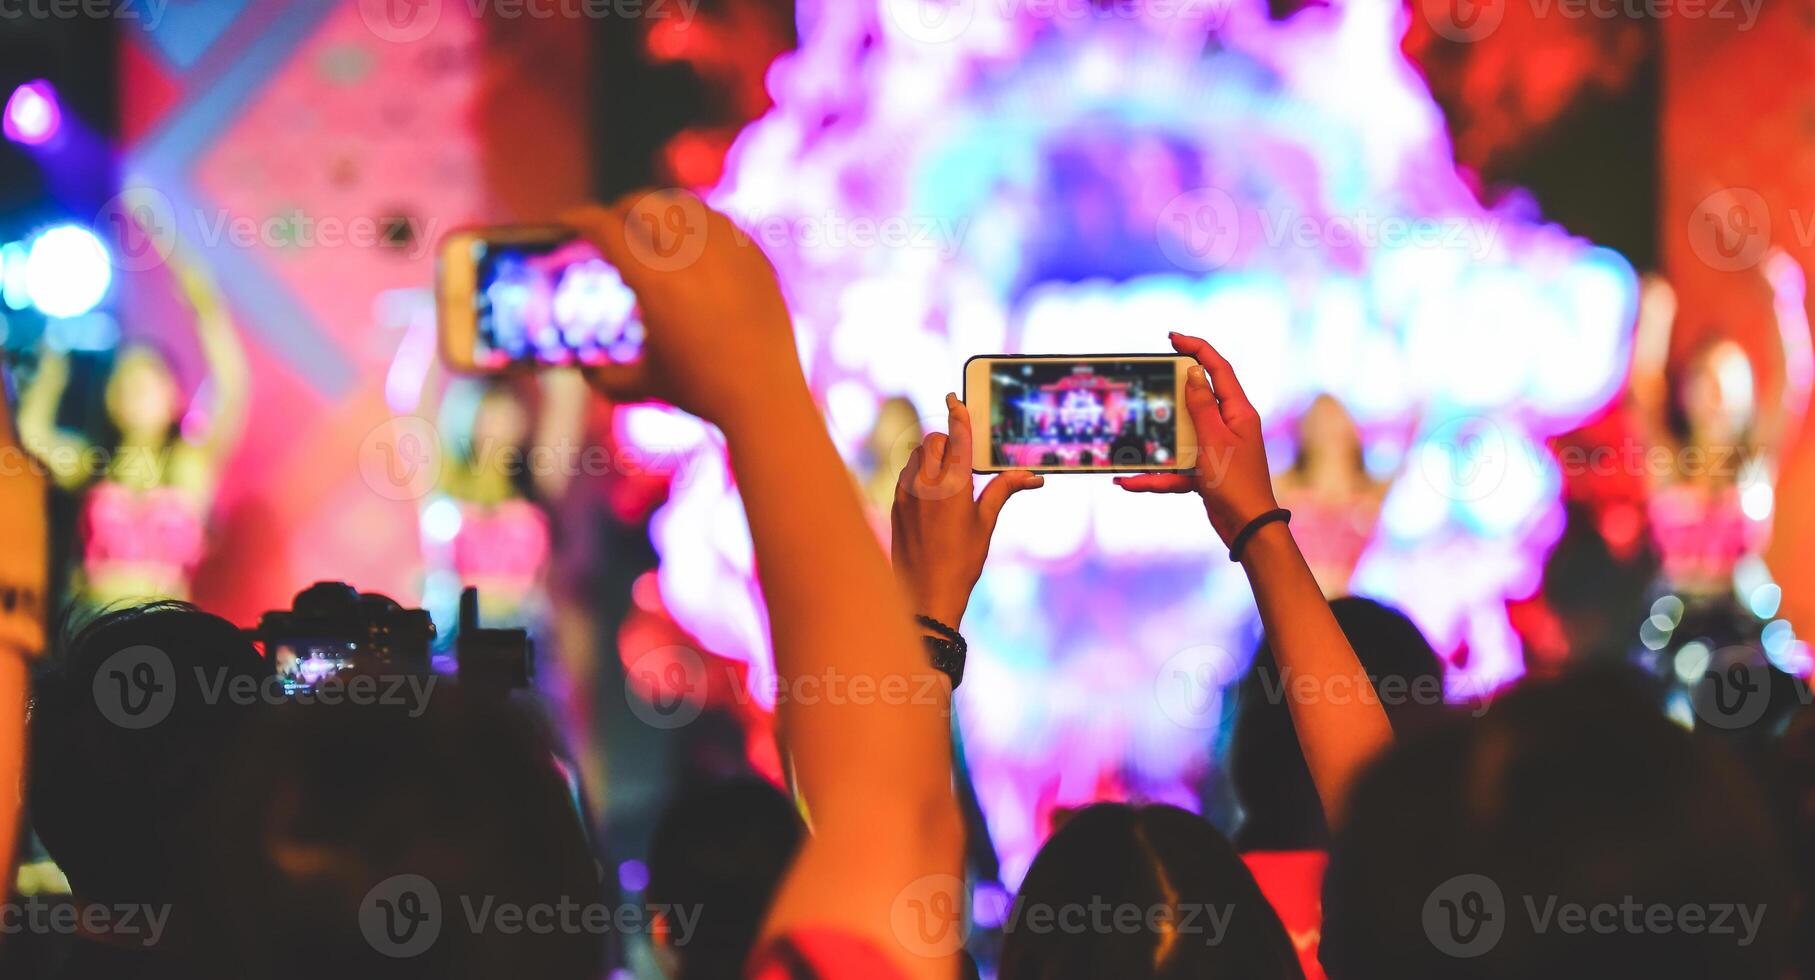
column 1240, row 542
column 947, row 649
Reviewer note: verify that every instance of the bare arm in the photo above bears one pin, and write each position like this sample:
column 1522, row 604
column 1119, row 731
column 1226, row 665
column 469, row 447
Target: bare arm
column 225, row 357
column 1780, row 424
column 1648, row 390
column 61, row 452
column 23, row 577
column 874, row 768
column 1342, row 726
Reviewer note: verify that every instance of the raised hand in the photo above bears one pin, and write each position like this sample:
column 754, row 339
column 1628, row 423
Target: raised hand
column 940, row 533
column 720, row 342
column 1231, row 472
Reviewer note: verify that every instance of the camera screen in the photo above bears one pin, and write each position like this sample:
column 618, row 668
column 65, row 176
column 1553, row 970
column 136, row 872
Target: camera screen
column 552, row 303
column 1060, row 414
column 302, row 663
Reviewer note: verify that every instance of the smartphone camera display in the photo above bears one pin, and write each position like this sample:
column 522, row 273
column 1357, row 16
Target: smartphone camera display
column 1060, row 414
column 550, row 303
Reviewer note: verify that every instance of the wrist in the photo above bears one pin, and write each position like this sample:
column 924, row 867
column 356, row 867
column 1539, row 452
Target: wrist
column 764, row 415
column 1268, row 545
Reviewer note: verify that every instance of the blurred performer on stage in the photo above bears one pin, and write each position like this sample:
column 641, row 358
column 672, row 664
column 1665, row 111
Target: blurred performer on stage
column 147, row 489
column 1713, row 464
column 1331, row 494
column 896, row 432
column 509, row 458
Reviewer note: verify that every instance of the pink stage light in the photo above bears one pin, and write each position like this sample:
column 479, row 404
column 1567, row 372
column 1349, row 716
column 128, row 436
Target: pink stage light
column 32, row 114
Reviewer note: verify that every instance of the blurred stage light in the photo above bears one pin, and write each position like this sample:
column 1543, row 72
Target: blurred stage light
column 67, row 271
column 32, row 113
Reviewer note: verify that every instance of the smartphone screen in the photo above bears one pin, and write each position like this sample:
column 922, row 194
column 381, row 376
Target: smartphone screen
column 553, row 301
column 1087, row 414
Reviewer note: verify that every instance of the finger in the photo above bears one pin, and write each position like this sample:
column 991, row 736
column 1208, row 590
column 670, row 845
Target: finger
column 911, row 470
column 606, row 228
column 934, row 458
column 1227, row 388
column 622, row 383
column 1200, row 404
column 1157, row 483
column 997, row 491
column 958, row 437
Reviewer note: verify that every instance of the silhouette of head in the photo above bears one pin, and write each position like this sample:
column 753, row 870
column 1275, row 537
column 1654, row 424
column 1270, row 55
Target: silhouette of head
column 718, row 855
column 1280, row 807
column 400, row 838
column 1571, row 831
column 130, row 720
column 1133, row 892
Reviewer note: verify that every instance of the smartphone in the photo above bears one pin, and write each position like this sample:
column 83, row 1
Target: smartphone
column 1105, row 413
column 537, row 295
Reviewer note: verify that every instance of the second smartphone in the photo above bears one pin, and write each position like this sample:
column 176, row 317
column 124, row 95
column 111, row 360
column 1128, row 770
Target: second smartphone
column 1102, row 413
column 531, row 295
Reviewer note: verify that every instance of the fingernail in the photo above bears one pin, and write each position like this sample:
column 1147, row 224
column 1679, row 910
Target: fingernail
column 1196, row 375
column 950, row 398
column 1039, row 481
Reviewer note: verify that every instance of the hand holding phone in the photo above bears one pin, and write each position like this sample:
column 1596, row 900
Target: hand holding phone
column 1231, row 454
column 1106, row 413
column 720, row 342
column 940, row 530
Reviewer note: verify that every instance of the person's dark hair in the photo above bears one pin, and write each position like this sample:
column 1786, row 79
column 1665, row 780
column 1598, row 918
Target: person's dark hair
column 1281, row 810
column 359, row 839
column 718, row 855
column 129, row 723
column 1142, row 892
column 1463, row 845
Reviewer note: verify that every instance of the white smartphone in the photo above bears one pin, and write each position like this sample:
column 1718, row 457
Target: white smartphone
column 536, row 295
column 1105, row 413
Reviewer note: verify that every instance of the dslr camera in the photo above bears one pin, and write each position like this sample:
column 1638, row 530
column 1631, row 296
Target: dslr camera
column 333, row 630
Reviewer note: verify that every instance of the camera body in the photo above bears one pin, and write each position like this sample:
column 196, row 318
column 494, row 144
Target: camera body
column 333, row 630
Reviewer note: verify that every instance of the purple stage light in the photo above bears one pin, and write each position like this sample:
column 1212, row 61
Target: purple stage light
column 32, row 113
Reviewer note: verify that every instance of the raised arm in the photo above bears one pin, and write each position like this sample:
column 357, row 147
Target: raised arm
column 1648, row 391
column 24, row 571
column 60, row 452
column 223, row 353
column 1343, row 726
column 873, row 763
column 1780, row 423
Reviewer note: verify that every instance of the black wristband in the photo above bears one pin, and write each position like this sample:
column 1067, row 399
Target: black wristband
column 947, row 649
column 1240, row 541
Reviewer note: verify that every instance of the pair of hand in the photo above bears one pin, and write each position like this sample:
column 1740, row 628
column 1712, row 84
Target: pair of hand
column 942, row 534
column 721, row 346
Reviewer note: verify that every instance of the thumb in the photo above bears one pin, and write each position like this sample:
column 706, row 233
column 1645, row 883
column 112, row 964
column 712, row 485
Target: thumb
column 1200, row 403
column 998, row 490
